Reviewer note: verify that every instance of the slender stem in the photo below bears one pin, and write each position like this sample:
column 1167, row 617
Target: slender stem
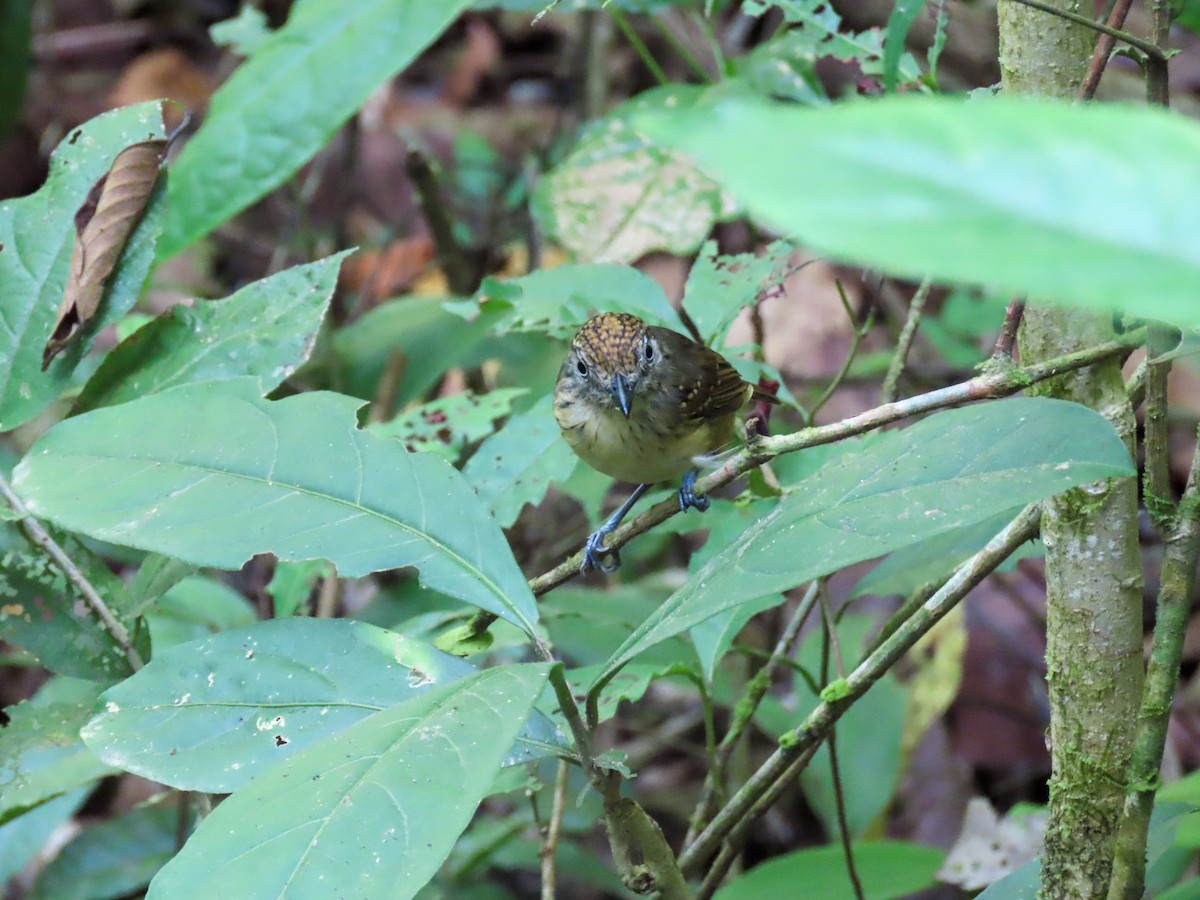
column 1156, row 482
column 1162, row 674
column 1008, row 331
column 451, row 255
column 796, row 743
column 860, row 332
column 688, row 57
column 1158, row 87
column 891, row 381
column 760, row 449
column 839, row 797
column 743, row 712
column 597, row 45
column 549, row 851
column 1150, row 49
column 1104, row 47
column 38, row 535
column 639, row 46
column 713, row 44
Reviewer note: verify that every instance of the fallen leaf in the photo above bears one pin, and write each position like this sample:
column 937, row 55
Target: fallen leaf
column 103, row 225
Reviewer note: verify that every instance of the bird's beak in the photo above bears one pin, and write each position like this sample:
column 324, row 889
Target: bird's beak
column 623, row 393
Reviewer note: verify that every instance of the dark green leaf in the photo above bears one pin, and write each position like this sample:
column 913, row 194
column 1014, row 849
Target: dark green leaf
column 26, row 835
column 720, row 287
column 904, row 13
column 113, row 858
column 197, row 607
column 212, row 473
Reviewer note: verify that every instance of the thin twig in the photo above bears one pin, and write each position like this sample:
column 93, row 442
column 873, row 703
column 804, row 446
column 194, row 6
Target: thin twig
column 987, row 386
column 451, row 255
column 1008, row 331
column 754, row 794
column 38, row 535
column 549, row 850
column 1104, row 47
column 639, row 46
column 860, row 332
column 1150, row 49
column 891, row 381
column 744, row 709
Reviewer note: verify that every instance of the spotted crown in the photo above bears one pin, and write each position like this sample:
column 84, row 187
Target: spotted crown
column 611, row 341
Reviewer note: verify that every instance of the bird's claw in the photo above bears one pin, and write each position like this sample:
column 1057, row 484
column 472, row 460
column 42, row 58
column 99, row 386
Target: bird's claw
column 594, row 553
column 687, row 495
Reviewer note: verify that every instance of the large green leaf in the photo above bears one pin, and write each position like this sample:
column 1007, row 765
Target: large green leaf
column 213, row 714
column 36, row 236
column 285, row 102
column 888, row 869
column 998, row 190
column 23, row 837
column 372, row 811
column 212, row 473
column 266, row 329
column 948, row 470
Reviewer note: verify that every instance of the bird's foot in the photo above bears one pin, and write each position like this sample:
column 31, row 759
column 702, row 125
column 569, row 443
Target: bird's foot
column 687, row 494
column 594, row 553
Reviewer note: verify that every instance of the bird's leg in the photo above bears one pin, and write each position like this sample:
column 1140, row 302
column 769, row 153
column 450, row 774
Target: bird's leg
column 687, row 494
column 594, row 550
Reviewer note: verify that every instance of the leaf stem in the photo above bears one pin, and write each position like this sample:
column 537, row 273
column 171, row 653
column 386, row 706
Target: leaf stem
column 891, row 381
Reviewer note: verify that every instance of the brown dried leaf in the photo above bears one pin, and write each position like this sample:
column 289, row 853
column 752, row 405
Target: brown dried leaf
column 103, row 225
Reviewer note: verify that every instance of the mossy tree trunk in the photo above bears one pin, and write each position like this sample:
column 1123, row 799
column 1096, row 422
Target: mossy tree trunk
column 1093, row 567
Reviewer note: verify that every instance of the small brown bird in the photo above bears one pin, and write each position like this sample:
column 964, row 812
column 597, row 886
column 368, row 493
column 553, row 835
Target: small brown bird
column 645, row 404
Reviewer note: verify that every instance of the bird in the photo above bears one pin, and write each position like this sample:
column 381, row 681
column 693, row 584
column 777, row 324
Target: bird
column 645, row 404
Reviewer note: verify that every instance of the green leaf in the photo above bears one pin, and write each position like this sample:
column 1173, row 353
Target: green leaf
column 448, row 424
column 587, row 624
column 517, row 464
column 887, row 869
column 41, row 753
column 949, row 470
column 284, row 103
column 112, row 859
column 720, row 287
column 215, row 713
column 212, row 473
column 386, row 798
column 155, row 576
column 557, row 301
column 999, row 190
column 267, row 329
column 292, row 582
column 36, row 236
column 904, row 13
column 429, row 339
column 197, row 607
column 918, row 565
column 243, row 33
column 26, row 835
column 617, row 196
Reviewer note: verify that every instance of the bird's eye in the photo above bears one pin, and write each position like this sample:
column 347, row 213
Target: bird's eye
column 649, row 351
column 581, row 367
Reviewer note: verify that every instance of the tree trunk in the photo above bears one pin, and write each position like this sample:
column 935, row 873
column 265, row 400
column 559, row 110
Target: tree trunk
column 1093, row 568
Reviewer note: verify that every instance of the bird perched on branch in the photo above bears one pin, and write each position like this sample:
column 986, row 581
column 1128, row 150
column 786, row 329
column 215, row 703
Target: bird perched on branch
column 645, row 404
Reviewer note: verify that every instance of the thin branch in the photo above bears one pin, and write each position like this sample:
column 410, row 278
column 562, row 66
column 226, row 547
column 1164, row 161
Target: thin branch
column 755, row 793
column 549, row 850
column 860, row 332
column 1150, row 49
column 38, row 535
column 452, row 256
column 1104, row 48
column 891, row 381
column 759, row 450
column 1008, row 331
column 744, row 710
column 1177, row 582
column 1156, row 482
column 639, row 46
